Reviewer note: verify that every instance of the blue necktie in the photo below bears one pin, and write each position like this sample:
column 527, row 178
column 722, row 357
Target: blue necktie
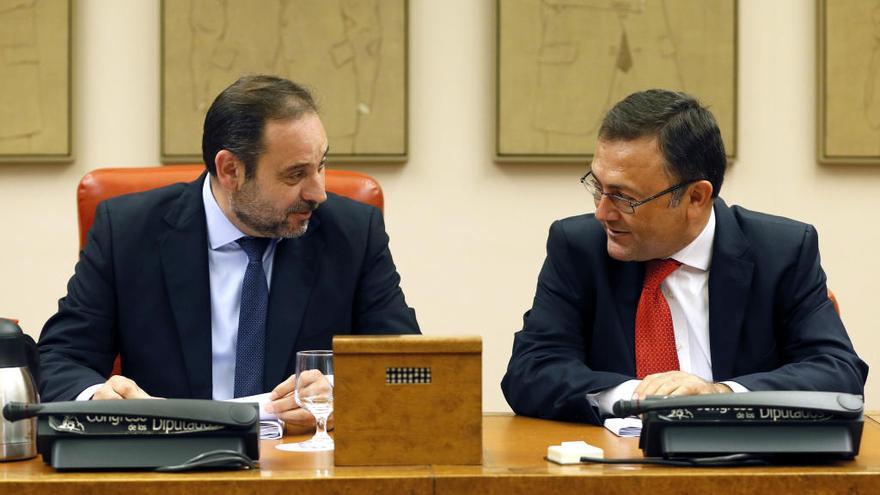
column 250, row 351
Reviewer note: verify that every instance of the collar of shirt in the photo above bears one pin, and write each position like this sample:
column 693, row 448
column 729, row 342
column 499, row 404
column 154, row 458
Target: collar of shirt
column 698, row 254
column 220, row 230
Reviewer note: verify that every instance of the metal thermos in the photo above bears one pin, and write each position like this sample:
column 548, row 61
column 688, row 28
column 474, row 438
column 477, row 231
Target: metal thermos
column 19, row 365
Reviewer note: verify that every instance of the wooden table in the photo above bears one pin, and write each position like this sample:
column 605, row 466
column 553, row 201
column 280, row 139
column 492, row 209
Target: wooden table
column 513, row 451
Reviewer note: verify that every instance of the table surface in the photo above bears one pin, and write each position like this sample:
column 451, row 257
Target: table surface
column 513, row 451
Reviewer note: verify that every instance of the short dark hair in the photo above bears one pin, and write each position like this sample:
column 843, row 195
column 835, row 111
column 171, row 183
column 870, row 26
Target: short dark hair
column 236, row 119
column 686, row 131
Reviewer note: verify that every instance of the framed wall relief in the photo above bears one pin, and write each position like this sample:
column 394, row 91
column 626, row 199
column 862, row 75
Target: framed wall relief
column 849, row 81
column 562, row 64
column 35, row 81
column 350, row 53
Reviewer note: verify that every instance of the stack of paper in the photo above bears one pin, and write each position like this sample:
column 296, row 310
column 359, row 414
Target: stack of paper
column 271, row 428
column 624, row 427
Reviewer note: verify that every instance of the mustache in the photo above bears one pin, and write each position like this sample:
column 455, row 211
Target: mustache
column 303, row 207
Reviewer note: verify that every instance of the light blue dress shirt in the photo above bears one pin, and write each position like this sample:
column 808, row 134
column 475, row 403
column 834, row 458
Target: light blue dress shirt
column 226, row 265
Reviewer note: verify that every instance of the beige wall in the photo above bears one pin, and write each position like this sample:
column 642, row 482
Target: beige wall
column 467, row 234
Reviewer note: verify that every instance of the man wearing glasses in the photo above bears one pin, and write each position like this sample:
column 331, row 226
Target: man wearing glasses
column 666, row 290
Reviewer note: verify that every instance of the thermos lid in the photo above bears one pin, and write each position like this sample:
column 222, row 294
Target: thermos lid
column 14, row 345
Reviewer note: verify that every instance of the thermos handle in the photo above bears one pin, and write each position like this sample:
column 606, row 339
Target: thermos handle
column 33, row 359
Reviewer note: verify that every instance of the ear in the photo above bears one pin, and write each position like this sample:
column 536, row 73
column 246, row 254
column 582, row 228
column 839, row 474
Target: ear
column 699, row 196
column 230, row 170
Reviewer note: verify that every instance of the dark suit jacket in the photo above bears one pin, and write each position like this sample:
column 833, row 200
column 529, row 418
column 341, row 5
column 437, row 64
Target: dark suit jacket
column 771, row 324
column 141, row 289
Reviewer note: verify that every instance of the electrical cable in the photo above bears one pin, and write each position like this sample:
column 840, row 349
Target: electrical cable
column 214, row 459
column 718, row 461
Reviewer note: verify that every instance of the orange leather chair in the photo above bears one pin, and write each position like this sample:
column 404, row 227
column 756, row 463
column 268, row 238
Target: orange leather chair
column 834, row 301
column 104, row 183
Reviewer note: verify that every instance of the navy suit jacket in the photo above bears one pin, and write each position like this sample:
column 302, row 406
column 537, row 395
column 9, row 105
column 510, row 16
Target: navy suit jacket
column 771, row 324
column 141, row 290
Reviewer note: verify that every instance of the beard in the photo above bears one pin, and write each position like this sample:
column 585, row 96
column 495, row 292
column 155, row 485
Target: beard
column 264, row 219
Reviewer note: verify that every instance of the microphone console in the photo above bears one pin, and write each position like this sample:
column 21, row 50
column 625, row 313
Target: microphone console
column 792, row 424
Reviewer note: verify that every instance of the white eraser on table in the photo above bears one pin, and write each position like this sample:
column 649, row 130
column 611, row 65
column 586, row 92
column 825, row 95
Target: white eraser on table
column 571, row 452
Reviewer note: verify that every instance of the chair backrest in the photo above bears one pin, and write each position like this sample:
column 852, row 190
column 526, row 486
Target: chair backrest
column 104, row 183
column 834, row 301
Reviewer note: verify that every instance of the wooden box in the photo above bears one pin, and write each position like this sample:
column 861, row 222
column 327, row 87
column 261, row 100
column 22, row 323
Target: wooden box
column 407, row 399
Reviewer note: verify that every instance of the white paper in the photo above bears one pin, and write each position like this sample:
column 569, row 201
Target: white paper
column 271, row 428
column 262, row 400
column 624, row 427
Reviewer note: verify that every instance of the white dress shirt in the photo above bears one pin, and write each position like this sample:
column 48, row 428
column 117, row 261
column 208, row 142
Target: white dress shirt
column 227, row 263
column 687, row 292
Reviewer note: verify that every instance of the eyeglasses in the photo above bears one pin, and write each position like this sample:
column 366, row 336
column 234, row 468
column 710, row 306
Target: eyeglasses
column 623, row 204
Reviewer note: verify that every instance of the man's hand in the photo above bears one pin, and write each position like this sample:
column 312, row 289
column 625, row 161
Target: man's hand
column 296, row 419
column 120, row 387
column 677, row 383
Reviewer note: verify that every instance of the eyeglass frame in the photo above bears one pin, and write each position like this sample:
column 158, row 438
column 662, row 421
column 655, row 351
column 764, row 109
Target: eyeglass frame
column 632, row 204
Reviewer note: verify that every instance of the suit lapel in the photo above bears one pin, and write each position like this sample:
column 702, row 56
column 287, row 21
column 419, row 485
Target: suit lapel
column 626, row 279
column 184, row 257
column 730, row 278
column 293, row 276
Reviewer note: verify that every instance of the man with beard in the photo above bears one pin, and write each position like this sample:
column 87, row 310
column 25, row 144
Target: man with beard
column 208, row 289
column 666, row 290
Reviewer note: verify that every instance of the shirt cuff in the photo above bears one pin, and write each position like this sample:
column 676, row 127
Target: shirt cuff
column 736, row 387
column 89, row 392
column 605, row 399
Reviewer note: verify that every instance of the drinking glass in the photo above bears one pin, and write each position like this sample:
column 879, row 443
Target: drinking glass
column 314, row 393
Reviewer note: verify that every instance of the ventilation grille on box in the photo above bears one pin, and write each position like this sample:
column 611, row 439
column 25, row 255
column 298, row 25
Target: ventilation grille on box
column 407, row 375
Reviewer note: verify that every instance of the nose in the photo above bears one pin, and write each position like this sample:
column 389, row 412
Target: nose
column 606, row 211
column 313, row 188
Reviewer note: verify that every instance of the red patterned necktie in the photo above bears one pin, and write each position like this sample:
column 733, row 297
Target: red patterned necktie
column 655, row 338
